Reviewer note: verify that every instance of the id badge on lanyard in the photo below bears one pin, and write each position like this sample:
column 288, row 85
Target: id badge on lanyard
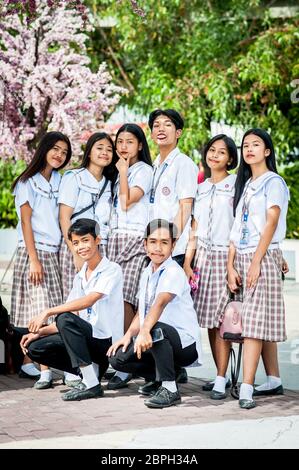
column 88, row 310
column 244, row 240
column 148, row 302
column 155, row 186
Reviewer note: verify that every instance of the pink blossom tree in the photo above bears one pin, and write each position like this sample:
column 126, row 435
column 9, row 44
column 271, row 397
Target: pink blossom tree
column 45, row 81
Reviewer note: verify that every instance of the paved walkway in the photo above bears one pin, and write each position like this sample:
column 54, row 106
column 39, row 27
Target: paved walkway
column 32, row 418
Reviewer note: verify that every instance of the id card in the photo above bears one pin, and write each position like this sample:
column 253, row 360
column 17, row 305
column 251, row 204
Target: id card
column 244, row 235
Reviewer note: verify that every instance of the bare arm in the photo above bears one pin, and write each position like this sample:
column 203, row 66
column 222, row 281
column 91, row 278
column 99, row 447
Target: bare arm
column 144, row 339
column 72, row 306
column 127, row 196
column 254, row 270
column 190, row 250
column 36, row 271
column 126, row 339
column 234, row 280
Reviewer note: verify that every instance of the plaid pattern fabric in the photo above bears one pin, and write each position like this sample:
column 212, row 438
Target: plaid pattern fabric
column 263, row 313
column 67, row 268
column 128, row 251
column 213, row 272
column 28, row 300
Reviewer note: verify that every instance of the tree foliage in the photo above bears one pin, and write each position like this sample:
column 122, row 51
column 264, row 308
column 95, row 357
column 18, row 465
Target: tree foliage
column 226, row 61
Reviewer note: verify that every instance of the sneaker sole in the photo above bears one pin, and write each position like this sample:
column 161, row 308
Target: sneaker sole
column 155, row 405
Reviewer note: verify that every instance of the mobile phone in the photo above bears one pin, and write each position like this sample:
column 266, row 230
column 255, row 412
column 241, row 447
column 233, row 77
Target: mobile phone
column 157, row 334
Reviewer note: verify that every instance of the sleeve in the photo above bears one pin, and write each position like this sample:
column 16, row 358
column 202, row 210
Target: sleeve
column 172, row 281
column 24, row 193
column 69, row 190
column 109, row 281
column 186, row 183
column 276, row 193
column 143, row 179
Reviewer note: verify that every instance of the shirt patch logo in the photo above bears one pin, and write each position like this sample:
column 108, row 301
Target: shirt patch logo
column 165, row 191
column 226, row 186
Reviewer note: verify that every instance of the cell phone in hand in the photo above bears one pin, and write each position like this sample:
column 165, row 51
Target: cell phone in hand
column 157, row 334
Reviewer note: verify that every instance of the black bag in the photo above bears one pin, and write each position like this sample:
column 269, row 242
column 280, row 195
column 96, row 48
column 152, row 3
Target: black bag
column 3, row 337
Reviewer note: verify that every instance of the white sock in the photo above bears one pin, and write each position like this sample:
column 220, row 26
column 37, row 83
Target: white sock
column 30, row 369
column 121, row 375
column 246, row 391
column 171, row 386
column 272, row 382
column 71, row 377
column 45, row 376
column 219, row 385
column 96, row 368
column 89, row 377
column 226, row 380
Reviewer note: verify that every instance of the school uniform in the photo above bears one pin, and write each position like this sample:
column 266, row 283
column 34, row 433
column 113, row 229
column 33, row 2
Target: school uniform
column 125, row 243
column 213, row 212
column 79, row 189
column 27, row 299
column 173, row 180
column 98, row 324
column 263, row 311
column 181, row 345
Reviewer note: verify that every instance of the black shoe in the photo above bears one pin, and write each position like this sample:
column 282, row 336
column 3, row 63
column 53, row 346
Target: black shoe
column 43, row 384
column 208, row 386
column 163, row 398
column 77, row 395
column 24, row 375
column 273, row 391
column 109, row 373
column 149, row 388
column 214, row 395
column 247, row 404
column 72, row 383
column 181, row 376
column 115, row 383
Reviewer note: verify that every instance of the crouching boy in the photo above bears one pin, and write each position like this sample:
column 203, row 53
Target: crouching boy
column 79, row 338
column 165, row 304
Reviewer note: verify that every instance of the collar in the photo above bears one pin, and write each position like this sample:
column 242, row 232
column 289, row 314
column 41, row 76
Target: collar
column 86, row 181
column 46, row 188
column 102, row 266
column 170, row 157
column 163, row 266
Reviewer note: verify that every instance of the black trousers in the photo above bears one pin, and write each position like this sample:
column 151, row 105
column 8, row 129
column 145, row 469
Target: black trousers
column 161, row 361
column 71, row 348
column 180, row 259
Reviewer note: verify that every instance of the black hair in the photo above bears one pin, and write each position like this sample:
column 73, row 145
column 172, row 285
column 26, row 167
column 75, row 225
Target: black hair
column 84, row 227
column 244, row 170
column 143, row 154
column 161, row 223
column 231, row 148
column 173, row 115
column 110, row 171
column 39, row 161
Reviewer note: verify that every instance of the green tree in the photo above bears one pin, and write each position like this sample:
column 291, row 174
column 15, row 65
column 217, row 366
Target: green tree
column 227, row 61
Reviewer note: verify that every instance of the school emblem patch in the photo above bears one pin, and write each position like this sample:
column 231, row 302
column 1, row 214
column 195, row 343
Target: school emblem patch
column 165, row 191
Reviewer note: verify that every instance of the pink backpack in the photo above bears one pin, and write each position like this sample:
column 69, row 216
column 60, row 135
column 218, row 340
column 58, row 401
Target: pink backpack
column 231, row 322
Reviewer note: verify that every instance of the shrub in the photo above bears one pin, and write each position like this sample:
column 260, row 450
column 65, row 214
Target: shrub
column 291, row 176
column 9, row 170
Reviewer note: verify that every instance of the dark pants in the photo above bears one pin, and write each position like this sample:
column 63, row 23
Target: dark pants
column 180, row 259
column 161, row 361
column 71, row 348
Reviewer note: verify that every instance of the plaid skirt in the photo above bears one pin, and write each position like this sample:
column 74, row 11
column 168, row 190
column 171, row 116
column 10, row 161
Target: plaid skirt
column 263, row 312
column 213, row 272
column 128, row 251
column 67, row 268
column 28, row 300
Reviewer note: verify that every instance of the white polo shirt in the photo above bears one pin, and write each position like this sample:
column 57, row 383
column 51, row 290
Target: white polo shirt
column 107, row 314
column 135, row 218
column 79, row 189
column 179, row 313
column 177, row 179
column 42, row 196
column 266, row 191
column 215, row 201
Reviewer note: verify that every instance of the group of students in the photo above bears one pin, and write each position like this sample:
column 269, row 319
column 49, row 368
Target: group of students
column 106, row 255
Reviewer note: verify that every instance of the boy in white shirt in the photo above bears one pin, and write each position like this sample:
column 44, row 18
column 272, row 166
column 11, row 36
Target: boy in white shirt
column 174, row 183
column 84, row 325
column 165, row 304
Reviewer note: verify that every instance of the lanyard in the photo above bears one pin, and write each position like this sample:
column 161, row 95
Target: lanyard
column 154, row 186
column 149, row 301
column 130, row 177
column 89, row 309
